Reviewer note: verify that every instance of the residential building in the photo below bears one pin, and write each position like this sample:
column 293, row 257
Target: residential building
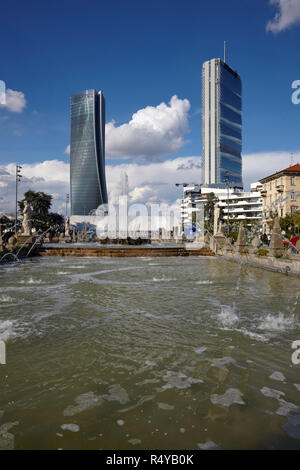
column 281, row 194
column 221, row 125
column 240, row 205
column 87, row 160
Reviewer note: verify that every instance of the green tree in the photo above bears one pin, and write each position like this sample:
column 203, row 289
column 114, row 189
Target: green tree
column 209, row 209
column 41, row 218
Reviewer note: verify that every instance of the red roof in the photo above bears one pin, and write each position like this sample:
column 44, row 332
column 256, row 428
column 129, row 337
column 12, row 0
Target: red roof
column 292, row 168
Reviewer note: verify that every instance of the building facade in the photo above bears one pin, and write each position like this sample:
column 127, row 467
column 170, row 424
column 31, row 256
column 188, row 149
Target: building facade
column 221, row 125
column 236, row 204
column 87, row 152
column 281, row 194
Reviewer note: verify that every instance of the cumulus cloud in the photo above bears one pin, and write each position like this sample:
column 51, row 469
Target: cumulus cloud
column 287, row 16
column 14, row 101
column 151, row 133
column 148, row 183
column 50, row 176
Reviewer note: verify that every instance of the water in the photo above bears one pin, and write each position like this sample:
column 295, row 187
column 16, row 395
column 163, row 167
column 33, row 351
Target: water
column 148, row 353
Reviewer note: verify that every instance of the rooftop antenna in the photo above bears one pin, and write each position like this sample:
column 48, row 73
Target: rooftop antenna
column 224, row 51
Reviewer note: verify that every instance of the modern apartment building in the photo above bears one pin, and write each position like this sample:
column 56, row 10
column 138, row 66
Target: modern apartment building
column 281, row 194
column 239, row 205
column 87, row 160
column 221, row 125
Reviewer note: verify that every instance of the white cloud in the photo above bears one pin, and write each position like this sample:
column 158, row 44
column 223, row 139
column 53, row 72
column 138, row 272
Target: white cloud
column 67, row 150
column 50, row 176
column 151, row 133
column 287, row 16
column 14, row 101
column 153, row 182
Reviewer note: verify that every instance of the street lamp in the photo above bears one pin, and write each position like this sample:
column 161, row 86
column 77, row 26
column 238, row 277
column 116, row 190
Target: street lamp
column 18, row 179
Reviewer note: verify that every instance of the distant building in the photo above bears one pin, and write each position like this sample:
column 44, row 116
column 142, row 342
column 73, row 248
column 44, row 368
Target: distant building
column 281, row 194
column 221, row 125
column 87, row 160
column 240, row 205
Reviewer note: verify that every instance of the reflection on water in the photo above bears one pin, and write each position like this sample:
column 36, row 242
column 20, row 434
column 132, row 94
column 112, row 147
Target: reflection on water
column 171, row 353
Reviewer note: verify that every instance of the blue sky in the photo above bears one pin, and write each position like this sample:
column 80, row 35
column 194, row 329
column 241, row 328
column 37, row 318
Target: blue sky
column 141, row 53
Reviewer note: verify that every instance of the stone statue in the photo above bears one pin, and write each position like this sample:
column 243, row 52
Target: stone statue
column 26, row 224
column 67, row 227
column 276, row 244
column 216, row 218
column 241, row 239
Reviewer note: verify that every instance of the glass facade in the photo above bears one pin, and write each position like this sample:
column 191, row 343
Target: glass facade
column 87, row 159
column 221, row 125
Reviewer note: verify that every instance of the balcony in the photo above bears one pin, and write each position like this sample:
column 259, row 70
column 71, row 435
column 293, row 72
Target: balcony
column 264, row 193
column 280, row 188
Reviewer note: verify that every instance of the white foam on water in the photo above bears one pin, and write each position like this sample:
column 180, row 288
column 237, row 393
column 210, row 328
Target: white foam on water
column 252, row 335
column 120, row 422
column 277, row 322
column 271, row 393
column 150, row 363
column 6, row 330
column 231, row 396
column 222, row 362
column 70, row 427
column 117, row 393
column 163, row 279
column 5, row 298
column 297, row 386
column 227, row 316
column 286, row 408
column 84, row 402
column 165, row 406
column 31, row 281
column 209, row 445
column 178, row 380
column 134, row 441
column 277, row 376
column 204, row 282
column 200, row 350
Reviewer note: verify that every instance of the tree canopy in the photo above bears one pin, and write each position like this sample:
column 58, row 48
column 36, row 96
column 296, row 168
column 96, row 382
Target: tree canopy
column 42, row 218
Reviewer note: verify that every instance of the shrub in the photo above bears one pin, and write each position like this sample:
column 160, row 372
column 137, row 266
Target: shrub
column 262, row 252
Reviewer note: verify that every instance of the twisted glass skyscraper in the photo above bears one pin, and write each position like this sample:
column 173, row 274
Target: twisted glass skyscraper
column 221, row 125
column 87, row 161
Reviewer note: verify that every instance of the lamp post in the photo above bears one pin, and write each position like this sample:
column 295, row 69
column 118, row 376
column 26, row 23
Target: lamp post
column 18, row 179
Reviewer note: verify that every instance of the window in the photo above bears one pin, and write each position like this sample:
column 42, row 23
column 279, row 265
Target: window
column 281, row 212
column 292, row 180
column 292, row 195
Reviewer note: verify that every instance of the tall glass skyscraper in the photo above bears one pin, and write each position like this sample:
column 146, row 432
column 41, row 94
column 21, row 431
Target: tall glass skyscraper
column 221, row 125
column 87, row 168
